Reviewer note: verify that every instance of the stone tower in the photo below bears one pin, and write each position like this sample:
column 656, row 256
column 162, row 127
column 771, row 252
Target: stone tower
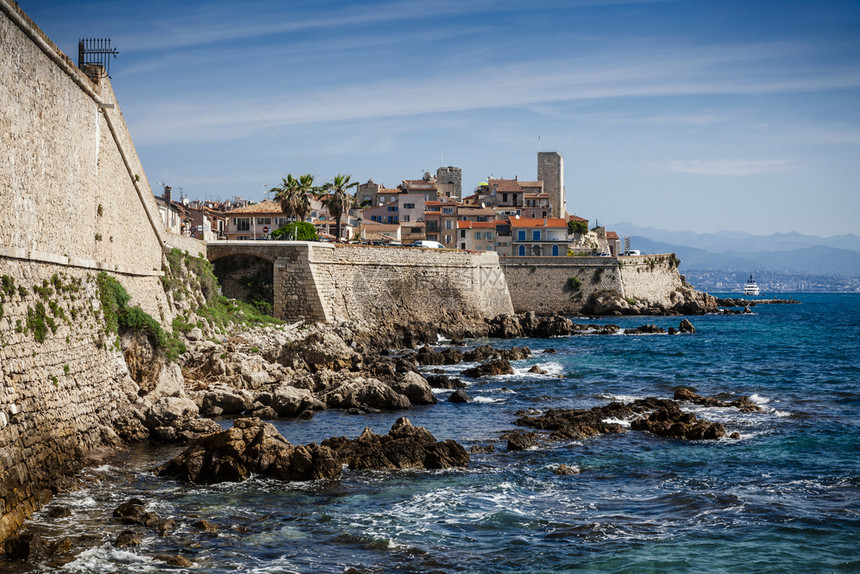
column 454, row 177
column 550, row 170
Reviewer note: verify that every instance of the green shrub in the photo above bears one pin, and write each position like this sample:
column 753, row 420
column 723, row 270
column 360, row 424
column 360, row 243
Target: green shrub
column 299, row 231
column 574, row 283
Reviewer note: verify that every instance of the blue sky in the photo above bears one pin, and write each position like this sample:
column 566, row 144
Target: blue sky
column 707, row 116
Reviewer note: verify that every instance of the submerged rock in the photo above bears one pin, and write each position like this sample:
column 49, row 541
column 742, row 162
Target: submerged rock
column 744, row 404
column 251, row 446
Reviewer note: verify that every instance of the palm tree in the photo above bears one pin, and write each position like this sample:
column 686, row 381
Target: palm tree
column 338, row 201
column 304, row 190
column 287, row 195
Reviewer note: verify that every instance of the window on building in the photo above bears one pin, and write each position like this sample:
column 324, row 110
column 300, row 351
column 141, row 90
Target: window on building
column 416, row 230
column 392, row 208
column 462, row 246
column 447, row 210
column 408, row 206
column 449, row 224
column 536, row 235
column 264, row 221
column 448, row 239
column 544, row 214
column 489, row 235
column 406, row 217
column 504, row 198
column 462, row 233
column 243, row 223
column 522, row 250
column 521, row 235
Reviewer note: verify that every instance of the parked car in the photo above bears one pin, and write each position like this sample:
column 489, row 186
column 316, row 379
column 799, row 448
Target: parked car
column 633, row 252
column 428, row 244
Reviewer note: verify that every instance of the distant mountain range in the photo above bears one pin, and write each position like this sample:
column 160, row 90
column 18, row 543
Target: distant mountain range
column 731, row 250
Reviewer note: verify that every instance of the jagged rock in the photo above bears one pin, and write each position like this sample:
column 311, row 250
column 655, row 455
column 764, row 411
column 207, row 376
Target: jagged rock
column 669, row 421
column 489, row 369
column 521, row 440
column 645, row 330
column 251, row 446
column 405, row 446
column 537, row 370
column 127, row 538
column 323, row 350
column 480, row 354
column 362, row 393
column 427, row 356
column 452, row 356
column 58, row 547
column 606, row 303
column 56, row 512
column 133, row 512
column 459, row 396
column 564, row 470
column 290, row 401
column 505, row 327
column 445, row 382
column 415, row 388
column 482, row 449
column 583, row 423
column 744, row 404
column 265, row 413
column 220, row 398
column 204, row 525
column 686, row 327
column 26, row 546
column 169, row 410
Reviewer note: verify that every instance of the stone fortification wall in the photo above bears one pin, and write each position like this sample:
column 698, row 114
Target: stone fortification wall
column 564, row 284
column 652, row 278
column 559, row 284
column 326, row 282
column 405, row 283
column 58, row 395
column 74, row 201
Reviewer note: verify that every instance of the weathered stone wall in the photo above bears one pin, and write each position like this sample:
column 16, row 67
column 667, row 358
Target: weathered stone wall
column 74, row 201
column 327, row 282
column 543, row 284
column 652, row 278
column 57, row 396
column 378, row 284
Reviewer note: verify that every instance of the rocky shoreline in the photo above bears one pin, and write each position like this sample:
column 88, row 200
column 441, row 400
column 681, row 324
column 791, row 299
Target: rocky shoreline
column 294, row 371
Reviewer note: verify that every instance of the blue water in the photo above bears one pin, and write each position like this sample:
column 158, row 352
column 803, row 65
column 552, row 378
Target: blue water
column 783, row 498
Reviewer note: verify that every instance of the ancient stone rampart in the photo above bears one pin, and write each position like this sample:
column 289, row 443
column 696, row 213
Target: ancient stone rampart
column 564, row 284
column 327, row 282
column 74, row 201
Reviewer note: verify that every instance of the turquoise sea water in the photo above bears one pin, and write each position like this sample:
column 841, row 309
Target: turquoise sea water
column 784, row 498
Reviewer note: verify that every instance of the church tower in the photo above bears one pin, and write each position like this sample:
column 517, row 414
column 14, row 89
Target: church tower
column 550, row 170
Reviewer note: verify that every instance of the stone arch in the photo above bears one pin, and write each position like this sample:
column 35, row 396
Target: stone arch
column 246, row 277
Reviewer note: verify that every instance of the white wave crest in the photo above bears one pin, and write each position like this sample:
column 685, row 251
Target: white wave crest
column 622, row 422
column 481, row 399
column 758, row 399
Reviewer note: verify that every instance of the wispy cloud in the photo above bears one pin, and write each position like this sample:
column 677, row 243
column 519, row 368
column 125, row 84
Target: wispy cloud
column 723, row 167
column 203, row 116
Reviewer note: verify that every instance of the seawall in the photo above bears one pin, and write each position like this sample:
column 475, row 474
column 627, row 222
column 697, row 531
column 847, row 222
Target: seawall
column 374, row 285
column 75, row 201
column 565, row 284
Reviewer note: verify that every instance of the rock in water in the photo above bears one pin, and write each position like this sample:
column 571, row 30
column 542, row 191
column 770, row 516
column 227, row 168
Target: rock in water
column 686, row 327
column 459, row 396
column 251, row 446
column 492, row 368
column 405, row 446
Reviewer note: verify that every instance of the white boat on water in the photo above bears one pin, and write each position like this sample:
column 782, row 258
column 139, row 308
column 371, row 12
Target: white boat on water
column 750, row 287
